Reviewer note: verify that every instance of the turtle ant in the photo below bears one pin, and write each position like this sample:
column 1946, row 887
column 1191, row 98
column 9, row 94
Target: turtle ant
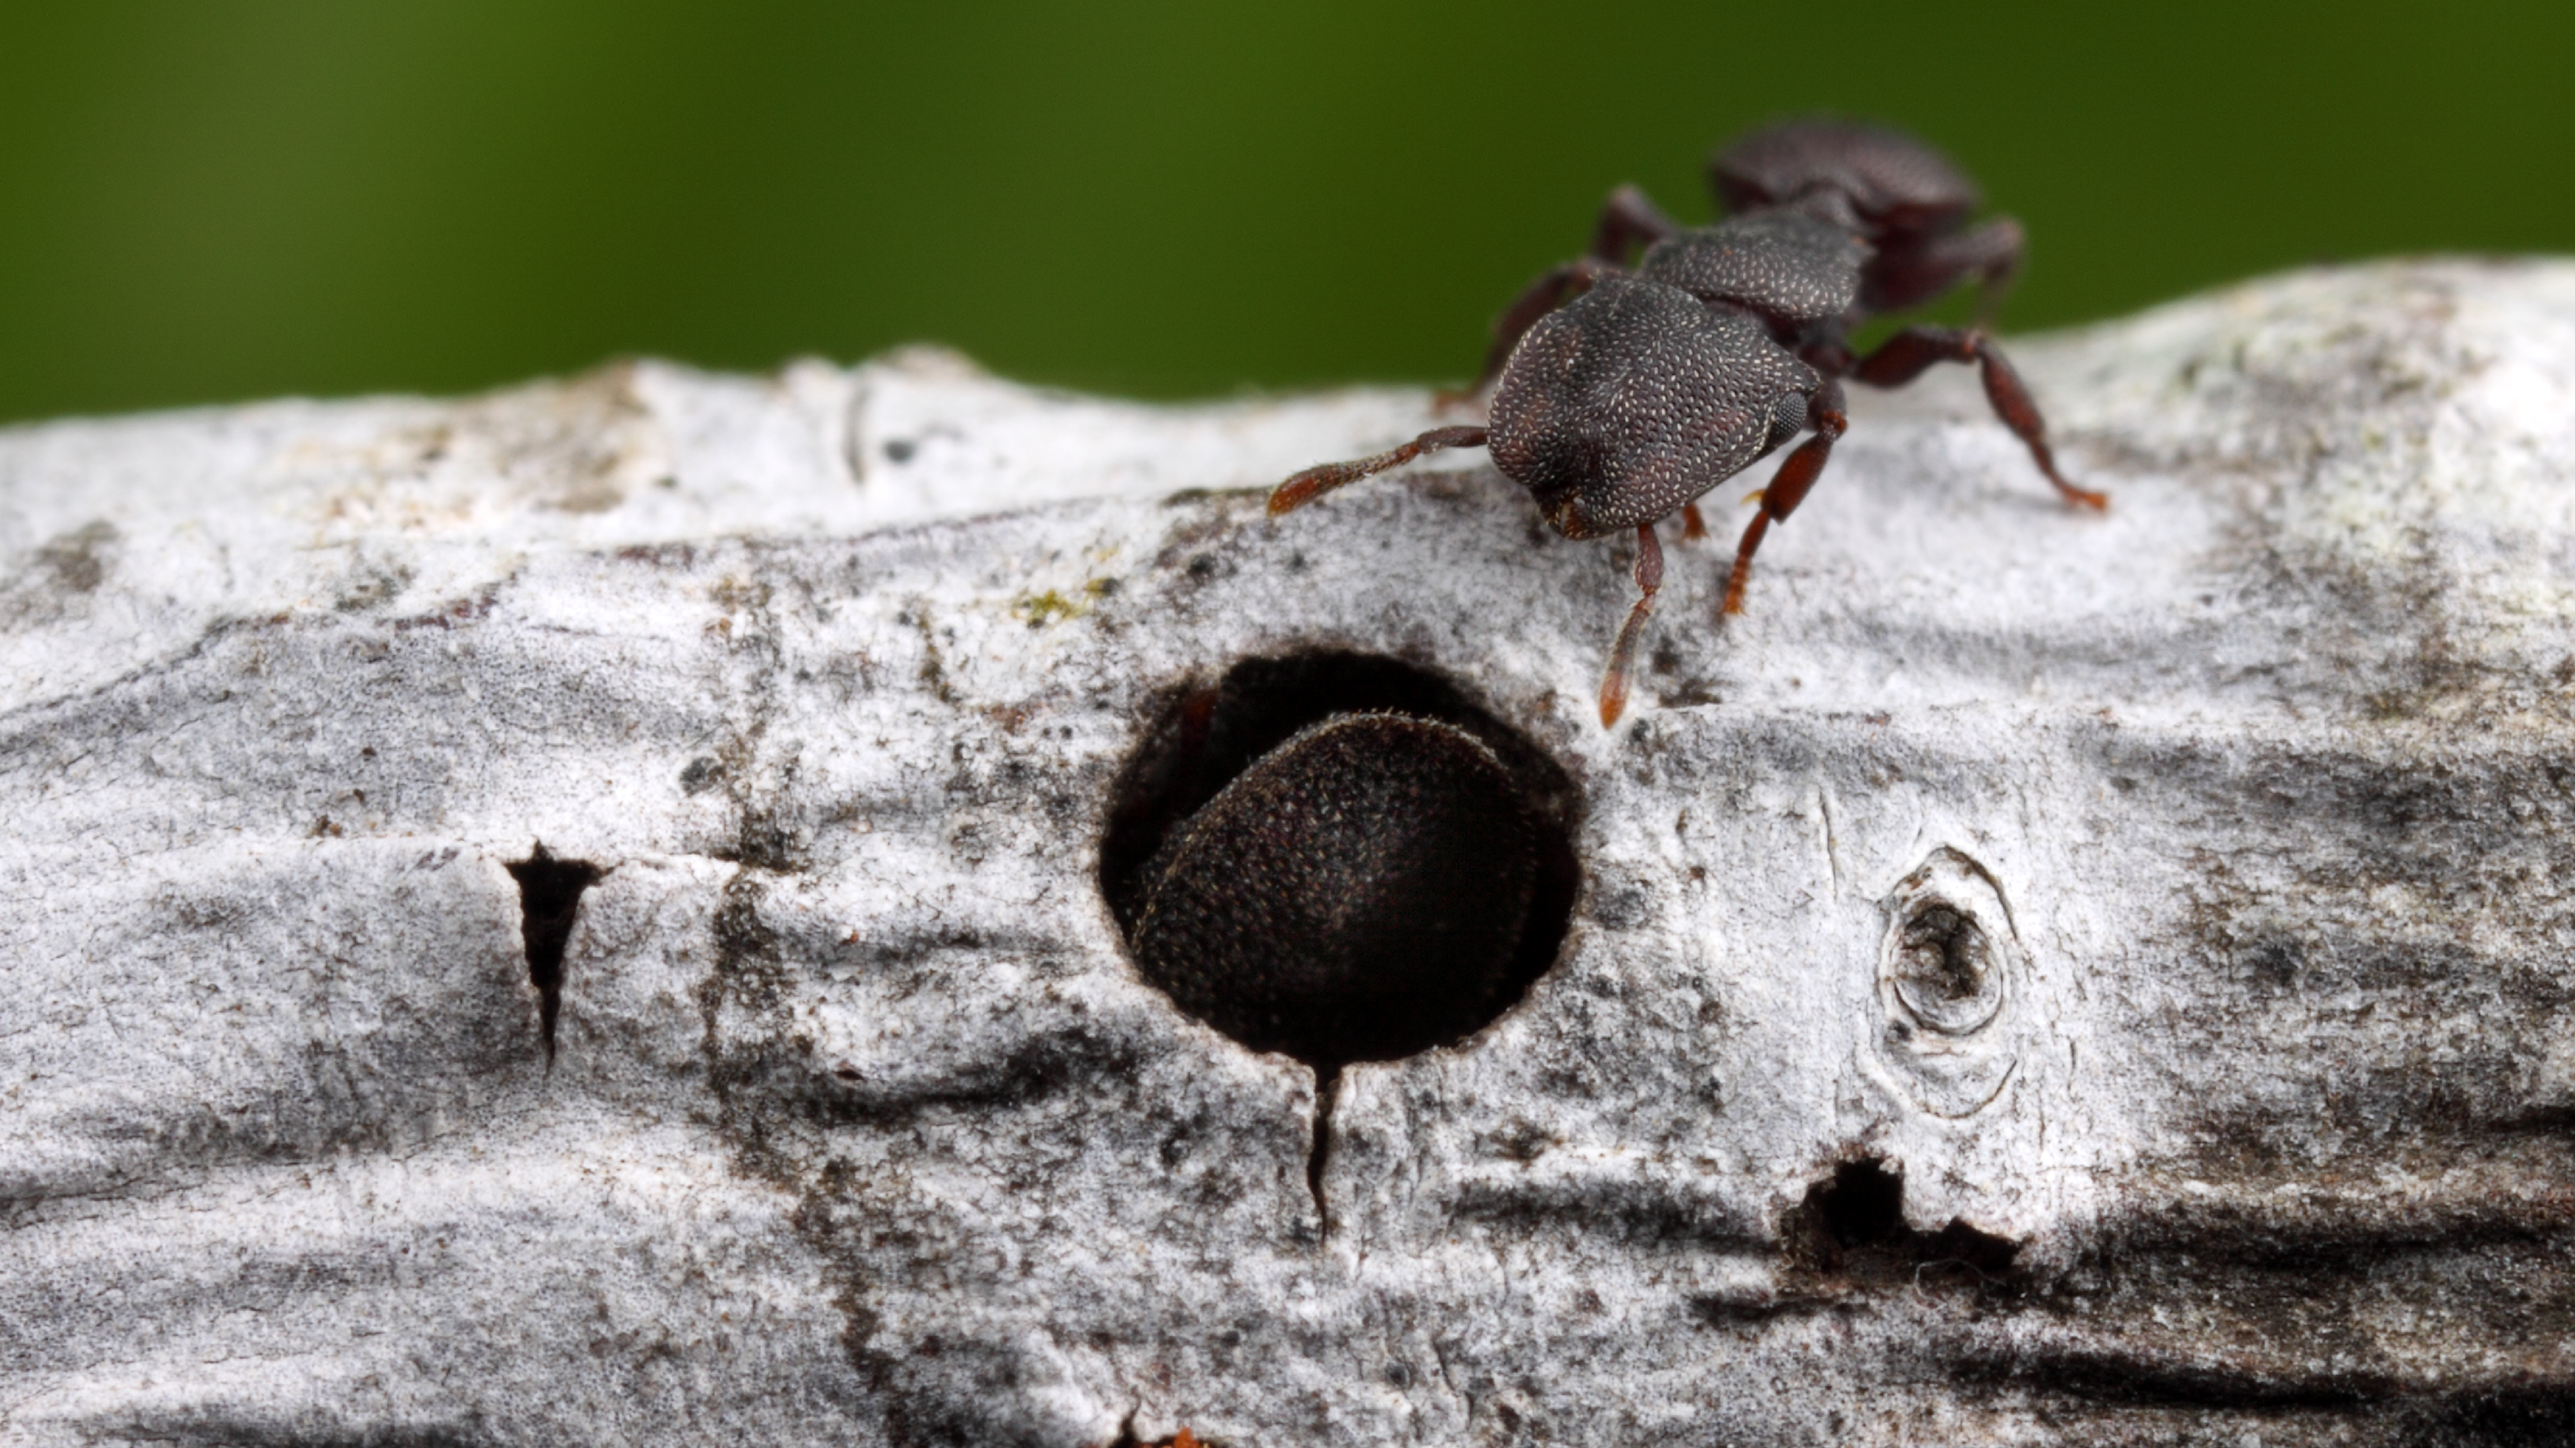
column 1624, row 392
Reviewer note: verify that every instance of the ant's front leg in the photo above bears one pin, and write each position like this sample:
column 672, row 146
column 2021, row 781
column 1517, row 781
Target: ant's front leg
column 1622, row 654
column 1314, row 482
column 1789, row 486
column 1908, row 353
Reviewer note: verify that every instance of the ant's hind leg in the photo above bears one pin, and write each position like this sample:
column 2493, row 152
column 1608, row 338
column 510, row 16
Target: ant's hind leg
column 1789, row 486
column 1622, row 655
column 1907, row 354
column 1314, row 482
column 1901, row 278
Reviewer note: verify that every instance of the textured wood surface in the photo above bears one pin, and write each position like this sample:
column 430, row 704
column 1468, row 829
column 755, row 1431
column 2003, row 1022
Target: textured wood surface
column 2036, row 978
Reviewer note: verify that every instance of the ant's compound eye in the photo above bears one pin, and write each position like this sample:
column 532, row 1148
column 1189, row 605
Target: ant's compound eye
column 1376, row 884
column 1787, row 418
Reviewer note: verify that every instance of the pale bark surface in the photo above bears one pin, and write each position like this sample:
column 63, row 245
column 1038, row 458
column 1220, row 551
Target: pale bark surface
column 864, row 1129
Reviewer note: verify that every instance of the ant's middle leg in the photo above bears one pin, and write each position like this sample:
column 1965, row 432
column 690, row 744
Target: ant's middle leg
column 1907, row 354
column 1629, row 222
column 1789, row 486
column 1552, row 290
column 1622, row 654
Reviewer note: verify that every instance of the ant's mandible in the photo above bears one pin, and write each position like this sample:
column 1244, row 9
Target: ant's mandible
column 1652, row 384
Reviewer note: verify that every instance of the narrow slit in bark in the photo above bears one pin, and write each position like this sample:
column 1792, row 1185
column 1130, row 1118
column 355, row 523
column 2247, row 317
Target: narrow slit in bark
column 1327, row 1090
column 549, row 896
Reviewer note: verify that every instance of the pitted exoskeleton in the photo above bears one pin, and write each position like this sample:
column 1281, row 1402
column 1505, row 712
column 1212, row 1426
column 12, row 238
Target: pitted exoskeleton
column 1622, row 391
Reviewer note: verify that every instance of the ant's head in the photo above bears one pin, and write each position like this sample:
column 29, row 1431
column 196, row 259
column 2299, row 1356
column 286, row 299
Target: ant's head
column 1634, row 398
column 1872, row 181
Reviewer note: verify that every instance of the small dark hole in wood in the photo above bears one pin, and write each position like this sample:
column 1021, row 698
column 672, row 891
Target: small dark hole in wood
column 1942, row 951
column 1852, row 1225
column 1862, row 1206
column 549, row 898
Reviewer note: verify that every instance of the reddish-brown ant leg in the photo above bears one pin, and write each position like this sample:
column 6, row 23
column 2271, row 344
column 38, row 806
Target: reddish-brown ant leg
column 1905, row 356
column 1314, row 482
column 1629, row 222
column 1789, row 486
column 1622, row 655
column 1559, row 285
column 1901, row 277
column 1693, row 526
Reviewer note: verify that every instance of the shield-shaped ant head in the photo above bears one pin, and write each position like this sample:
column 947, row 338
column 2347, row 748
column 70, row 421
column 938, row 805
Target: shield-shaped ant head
column 1635, row 398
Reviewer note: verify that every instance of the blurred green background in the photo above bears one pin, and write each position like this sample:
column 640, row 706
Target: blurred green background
column 221, row 199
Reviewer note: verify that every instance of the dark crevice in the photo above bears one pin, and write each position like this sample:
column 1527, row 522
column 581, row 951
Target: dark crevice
column 1641, row 1215
column 226, row 1430
column 1862, row 1206
column 2318, row 1251
column 1327, row 1092
column 1851, row 1226
column 1127, row 1438
column 2137, row 1380
column 2549, row 1119
column 2516, row 1417
column 1031, row 1073
column 549, row 898
column 1716, row 1310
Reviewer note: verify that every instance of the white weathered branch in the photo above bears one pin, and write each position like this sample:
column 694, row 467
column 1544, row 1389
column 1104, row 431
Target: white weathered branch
column 862, row 1127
